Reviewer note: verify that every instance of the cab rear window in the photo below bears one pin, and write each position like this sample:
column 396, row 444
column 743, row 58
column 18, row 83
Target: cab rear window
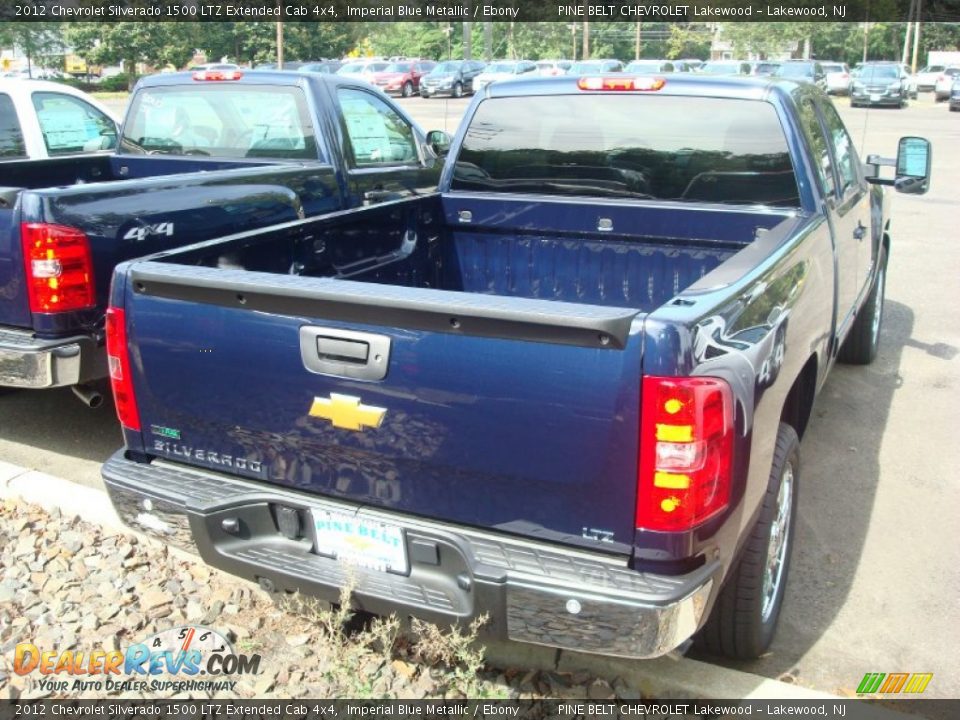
column 220, row 120
column 11, row 138
column 630, row 145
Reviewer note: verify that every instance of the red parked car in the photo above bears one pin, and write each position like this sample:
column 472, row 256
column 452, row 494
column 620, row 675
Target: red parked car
column 403, row 78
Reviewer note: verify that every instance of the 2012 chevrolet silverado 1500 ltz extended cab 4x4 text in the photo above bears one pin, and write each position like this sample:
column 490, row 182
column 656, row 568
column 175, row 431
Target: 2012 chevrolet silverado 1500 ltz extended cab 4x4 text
column 565, row 391
column 200, row 155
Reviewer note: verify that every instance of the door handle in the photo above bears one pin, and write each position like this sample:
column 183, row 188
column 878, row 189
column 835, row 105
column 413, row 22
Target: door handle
column 859, row 232
column 344, row 353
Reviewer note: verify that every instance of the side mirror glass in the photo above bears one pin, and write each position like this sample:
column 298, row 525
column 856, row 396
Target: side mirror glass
column 913, row 166
column 439, row 142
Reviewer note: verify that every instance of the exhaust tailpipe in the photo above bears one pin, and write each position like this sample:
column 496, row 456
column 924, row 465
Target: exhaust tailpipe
column 88, row 396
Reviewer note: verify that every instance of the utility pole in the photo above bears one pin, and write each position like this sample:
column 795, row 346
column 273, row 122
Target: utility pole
column 906, row 39
column 468, row 41
column 279, row 44
column 586, row 39
column 487, row 40
column 916, row 37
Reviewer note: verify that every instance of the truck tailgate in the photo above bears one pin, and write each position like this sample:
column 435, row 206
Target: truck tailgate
column 507, row 413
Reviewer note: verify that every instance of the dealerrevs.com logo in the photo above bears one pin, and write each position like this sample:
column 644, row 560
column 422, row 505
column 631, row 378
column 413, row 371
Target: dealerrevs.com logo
column 182, row 659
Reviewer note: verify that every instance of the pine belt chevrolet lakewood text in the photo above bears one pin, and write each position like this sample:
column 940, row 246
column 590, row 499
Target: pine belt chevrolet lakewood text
column 566, row 390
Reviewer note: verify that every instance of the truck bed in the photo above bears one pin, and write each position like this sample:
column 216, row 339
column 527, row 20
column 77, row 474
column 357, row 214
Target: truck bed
column 430, row 244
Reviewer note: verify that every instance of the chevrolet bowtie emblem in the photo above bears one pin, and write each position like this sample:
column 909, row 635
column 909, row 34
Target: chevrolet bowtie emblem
column 345, row 411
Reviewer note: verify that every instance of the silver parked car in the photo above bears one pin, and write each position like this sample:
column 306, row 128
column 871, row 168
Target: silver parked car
column 838, row 78
column 941, row 90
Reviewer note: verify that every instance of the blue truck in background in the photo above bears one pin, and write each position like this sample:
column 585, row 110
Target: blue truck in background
column 200, row 155
column 566, row 391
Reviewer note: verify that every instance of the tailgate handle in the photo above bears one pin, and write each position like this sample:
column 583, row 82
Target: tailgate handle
column 344, row 353
column 355, row 351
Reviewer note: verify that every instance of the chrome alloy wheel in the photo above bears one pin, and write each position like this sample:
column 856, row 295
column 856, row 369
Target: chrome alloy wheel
column 878, row 308
column 777, row 547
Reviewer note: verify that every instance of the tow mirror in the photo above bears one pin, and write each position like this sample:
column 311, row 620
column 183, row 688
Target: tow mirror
column 913, row 166
column 439, row 142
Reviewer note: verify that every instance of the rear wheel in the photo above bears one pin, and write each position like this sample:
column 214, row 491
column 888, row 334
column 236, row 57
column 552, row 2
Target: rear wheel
column 860, row 347
column 744, row 618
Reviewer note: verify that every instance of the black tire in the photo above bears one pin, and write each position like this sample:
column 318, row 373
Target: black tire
column 744, row 618
column 458, row 90
column 860, row 347
column 407, row 89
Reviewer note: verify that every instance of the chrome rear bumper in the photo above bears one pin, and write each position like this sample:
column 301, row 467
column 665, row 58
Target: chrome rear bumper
column 29, row 362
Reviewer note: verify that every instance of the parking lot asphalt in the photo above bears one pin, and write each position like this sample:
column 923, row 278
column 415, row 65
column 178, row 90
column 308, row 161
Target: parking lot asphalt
column 874, row 582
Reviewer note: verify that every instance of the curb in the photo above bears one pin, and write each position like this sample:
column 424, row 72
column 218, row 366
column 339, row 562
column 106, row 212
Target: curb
column 668, row 678
column 54, row 493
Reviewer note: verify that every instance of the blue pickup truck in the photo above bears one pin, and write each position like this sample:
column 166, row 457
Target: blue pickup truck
column 566, row 391
column 200, row 155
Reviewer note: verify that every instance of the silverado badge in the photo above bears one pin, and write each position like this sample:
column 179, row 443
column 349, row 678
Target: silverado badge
column 345, row 411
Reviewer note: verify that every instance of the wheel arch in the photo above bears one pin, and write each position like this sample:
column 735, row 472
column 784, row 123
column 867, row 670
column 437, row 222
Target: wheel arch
column 798, row 405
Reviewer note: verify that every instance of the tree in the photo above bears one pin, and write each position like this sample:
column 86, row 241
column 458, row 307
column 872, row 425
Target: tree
column 689, row 41
column 40, row 42
column 156, row 44
column 767, row 39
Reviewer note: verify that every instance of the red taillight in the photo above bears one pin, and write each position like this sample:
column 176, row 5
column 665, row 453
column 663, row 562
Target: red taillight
column 59, row 268
column 686, row 452
column 626, row 82
column 118, row 360
column 217, row 75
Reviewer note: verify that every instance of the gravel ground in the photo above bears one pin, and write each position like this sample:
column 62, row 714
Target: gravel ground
column 68, row 585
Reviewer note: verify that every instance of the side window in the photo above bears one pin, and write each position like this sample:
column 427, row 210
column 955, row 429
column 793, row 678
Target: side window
column 843, row 150
column 818, row 144
column 11, row 137
column 378, row 135
column 71, row 125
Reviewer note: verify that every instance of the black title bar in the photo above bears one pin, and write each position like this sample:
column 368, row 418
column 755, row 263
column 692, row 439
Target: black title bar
column 476, row 10
column 273, row 709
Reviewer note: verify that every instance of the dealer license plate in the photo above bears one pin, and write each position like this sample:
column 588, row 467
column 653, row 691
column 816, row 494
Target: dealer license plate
column 361, row 541
column 874, row 98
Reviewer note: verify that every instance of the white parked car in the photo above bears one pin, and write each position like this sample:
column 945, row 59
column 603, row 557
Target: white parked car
column 927, row 78
column 941, row 90
column 502, row 70
column 838, row 78
column 911, row 81
column 363, row 69
column 552, row 68
column 40, row 119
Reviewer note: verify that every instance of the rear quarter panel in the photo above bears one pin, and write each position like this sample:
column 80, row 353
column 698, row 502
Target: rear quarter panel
column 756, row 324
